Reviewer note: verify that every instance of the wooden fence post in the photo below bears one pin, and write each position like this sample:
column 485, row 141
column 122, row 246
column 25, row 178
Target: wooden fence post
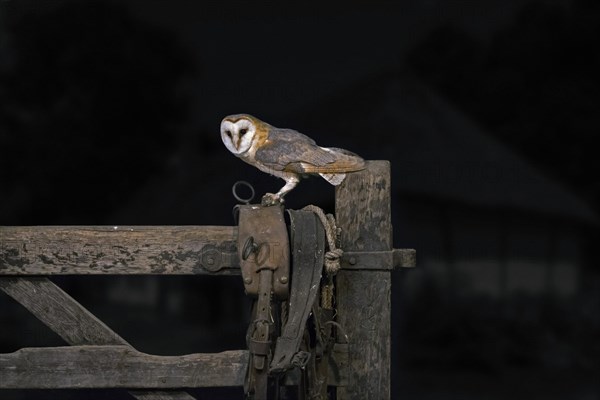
column 363, row 212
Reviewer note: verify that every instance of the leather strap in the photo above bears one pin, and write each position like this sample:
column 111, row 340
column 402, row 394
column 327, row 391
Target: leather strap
column 308, row 246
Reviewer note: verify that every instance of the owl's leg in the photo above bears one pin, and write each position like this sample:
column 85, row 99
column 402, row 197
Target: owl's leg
column 290, row 183
column 270, row 199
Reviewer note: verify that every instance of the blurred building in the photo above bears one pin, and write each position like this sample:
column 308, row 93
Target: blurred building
column 484, row 221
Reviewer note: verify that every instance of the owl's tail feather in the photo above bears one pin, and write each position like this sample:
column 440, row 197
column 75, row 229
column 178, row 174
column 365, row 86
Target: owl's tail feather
column 346, row 161
column 334, row 179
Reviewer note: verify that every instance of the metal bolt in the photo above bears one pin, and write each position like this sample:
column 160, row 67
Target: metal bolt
column 210, row 261
column 247, row 280
column 283, row 279
column 352, row 260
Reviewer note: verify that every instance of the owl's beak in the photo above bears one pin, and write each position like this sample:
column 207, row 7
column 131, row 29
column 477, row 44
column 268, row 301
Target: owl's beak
column 235, row 140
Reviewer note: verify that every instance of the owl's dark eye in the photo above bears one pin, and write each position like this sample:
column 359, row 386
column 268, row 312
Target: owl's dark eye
column 228, row 133
column 243, row 131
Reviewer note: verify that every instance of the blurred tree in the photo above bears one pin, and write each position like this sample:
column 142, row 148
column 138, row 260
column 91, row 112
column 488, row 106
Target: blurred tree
column 88, row 109
column 535, row 85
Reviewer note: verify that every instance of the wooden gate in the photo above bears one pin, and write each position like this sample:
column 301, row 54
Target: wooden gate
column 99, row 358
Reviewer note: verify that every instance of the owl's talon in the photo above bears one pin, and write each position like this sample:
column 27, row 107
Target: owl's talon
column 270, row 199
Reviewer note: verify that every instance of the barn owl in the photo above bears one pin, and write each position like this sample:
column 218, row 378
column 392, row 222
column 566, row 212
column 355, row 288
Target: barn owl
column 285, row 153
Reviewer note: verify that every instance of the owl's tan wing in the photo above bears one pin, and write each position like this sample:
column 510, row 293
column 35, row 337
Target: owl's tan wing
column 290, row 151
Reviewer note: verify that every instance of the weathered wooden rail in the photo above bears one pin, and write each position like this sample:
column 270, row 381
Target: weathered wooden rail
column 99, row 358
column 118, row 250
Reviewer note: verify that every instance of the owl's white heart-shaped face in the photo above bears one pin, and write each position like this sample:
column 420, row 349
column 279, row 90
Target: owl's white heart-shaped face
column 238, row 135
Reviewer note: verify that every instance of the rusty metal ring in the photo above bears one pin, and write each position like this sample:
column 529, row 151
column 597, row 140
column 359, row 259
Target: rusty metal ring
column 249, row 248
column 234, row 190
column 341, row 331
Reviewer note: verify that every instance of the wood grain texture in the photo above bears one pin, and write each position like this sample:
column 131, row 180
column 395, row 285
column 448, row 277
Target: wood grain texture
column 59, row 311
column 48, row 250
column 363, row 211
column 79, row 367
column 70, row 320
column 160, row 395
column 363, row 208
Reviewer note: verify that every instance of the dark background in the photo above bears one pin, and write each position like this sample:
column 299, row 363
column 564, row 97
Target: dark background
column 110, row 112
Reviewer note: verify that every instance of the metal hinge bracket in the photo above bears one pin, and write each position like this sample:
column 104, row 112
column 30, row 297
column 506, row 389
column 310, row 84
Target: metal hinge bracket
column 379, row 260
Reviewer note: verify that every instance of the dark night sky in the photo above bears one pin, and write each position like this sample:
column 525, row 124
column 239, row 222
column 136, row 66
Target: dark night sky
column 198, row 62
column 273, row 60
column 110, row 112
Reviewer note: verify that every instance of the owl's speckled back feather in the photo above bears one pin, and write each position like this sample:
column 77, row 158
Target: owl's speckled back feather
column 291, row 151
